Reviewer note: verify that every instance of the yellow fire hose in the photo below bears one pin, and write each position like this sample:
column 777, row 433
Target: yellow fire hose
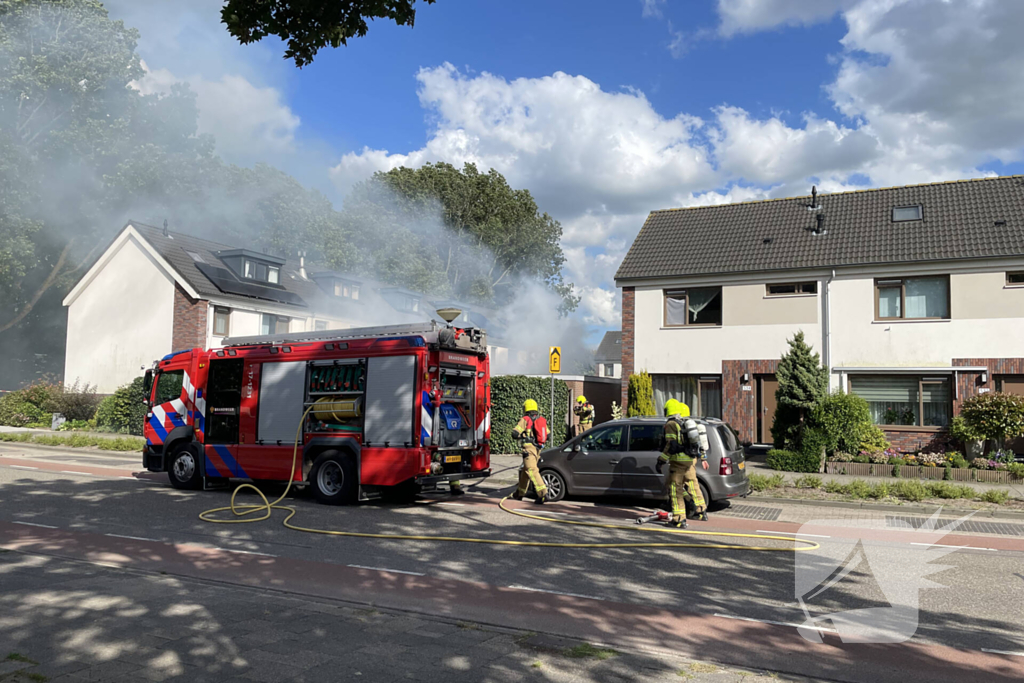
column 243, row 511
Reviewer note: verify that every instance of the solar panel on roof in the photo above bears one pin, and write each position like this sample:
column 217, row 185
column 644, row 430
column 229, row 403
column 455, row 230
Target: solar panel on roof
column 229, row 284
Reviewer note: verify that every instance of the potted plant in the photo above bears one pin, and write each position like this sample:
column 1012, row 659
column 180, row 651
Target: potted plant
column 995, row 416
column 966, row 433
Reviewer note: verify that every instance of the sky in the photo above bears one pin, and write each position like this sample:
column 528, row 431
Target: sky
column 610, row 109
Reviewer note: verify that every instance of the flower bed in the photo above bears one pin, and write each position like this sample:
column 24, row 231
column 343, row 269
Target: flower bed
column 865, row 469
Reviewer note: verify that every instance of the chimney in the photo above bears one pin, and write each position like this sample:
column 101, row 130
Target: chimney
column 302, row 265
column 165, row 227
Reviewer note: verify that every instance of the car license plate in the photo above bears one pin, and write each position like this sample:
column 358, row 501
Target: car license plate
column 453, row 458
column 742, row 465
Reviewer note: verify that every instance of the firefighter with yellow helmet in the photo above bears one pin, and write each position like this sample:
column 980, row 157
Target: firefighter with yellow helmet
column 585, row 412
column 684, row 441
column 532, row 432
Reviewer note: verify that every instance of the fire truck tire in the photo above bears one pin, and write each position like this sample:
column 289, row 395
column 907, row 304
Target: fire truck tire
column 183, row 468
column 333, row 479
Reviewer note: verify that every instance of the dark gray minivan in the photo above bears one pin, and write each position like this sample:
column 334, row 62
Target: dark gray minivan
column 618, row 458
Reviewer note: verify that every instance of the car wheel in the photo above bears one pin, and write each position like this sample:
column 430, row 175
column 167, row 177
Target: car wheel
column 183, row 469
column 704, row 492
column 333, row 479
column 555, row 483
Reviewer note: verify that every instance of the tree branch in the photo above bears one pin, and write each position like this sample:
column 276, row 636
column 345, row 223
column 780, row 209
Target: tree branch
column 47, row 283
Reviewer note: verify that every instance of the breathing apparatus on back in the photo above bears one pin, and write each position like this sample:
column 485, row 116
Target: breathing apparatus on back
column 697, row 443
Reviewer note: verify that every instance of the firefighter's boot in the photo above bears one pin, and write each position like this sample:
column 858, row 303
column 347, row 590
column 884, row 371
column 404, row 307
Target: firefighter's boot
column 678, row 523
column 455, row 488
column 517, row 496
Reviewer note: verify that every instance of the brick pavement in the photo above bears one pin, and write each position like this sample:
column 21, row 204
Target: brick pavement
column 67, row 621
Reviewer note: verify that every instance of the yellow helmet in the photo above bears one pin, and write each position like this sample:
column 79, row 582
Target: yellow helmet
column 581, row 399
column 674, row 408
column 529, row 405
column 670, row 407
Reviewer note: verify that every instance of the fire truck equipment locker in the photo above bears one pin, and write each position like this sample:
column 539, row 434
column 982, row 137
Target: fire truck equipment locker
column 390, row 383
column 282, row 390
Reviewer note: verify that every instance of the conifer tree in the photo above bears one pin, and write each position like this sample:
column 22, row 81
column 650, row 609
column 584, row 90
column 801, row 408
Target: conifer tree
column 803, row 383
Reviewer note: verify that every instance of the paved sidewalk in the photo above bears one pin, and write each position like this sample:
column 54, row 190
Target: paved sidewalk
column 67, row 621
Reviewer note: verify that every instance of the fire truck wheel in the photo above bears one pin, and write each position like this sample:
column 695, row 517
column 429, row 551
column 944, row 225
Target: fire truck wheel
column 333, row 479
column 183, row 469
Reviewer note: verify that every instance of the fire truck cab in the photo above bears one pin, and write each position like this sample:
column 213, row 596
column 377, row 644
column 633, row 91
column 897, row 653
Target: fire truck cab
column 386, row 409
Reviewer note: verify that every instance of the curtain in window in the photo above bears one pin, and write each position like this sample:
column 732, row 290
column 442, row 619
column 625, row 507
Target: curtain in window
column 702, row 298
column 680, row 387
column 937, row 402
column 265, row 323
column 926, row 297
column 675, row 311
column 889, row 302
column 892, row 400
column 711, row 399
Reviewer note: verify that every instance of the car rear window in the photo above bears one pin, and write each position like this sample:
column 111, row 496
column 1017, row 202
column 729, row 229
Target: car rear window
column 644, row 437
column 728, row 437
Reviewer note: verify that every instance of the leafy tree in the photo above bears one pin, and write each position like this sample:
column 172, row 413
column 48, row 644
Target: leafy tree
column 844, row 419
column 640, row 395
column 308, row 26
column 994, row 416
column 803, row 383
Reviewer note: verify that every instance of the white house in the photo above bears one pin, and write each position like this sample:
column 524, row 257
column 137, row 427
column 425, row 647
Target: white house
column 608, row 357
column 152, row 292
column 914, row 296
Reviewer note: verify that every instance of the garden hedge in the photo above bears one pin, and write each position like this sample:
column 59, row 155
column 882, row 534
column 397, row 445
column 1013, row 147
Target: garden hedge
column 507, row 395
column 791, row 461
column 124, row 411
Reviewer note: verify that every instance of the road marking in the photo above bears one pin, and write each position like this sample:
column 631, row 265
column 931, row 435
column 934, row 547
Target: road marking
column 45, row 526
column 461, row 505
column 1003, row 652
column 383, row 569
column 134, row 538
column 246, row 552
column 541, row 590
column 23, row 467
column 71, row 472
column 791, row 533
column 778, row 623
column 958, row 547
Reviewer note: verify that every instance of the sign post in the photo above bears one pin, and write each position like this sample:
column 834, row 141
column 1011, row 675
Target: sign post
column 554, row 368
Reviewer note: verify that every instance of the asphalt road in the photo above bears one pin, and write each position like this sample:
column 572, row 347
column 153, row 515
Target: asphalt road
column 978, row 601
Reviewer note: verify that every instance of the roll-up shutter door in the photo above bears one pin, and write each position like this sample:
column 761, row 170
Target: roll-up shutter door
column 389, row 401
column 281, row 396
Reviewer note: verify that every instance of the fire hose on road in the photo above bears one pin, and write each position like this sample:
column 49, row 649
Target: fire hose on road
column 244, row 515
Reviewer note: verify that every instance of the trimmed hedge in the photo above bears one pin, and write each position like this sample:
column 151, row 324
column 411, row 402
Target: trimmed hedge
column 790, row 461
column 640, row 396
column 124, row 411
column 507, row 395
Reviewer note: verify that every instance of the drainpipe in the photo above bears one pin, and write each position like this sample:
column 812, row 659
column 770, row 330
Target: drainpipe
column 826, row 346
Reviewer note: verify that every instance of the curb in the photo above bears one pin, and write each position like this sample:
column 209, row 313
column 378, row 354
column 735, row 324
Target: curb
column 928, row 509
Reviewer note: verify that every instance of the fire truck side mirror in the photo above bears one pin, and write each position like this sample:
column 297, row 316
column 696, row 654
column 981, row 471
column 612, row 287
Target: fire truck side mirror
column 147, row 384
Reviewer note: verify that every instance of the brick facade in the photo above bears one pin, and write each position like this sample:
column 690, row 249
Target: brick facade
column 739, row 407
column 628, row 337
column 189, row 328
column 911, row 441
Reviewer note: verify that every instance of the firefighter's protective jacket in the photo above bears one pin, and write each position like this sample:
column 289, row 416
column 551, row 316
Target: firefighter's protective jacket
column 677, row 447
column 523, row 430
column 585, row 412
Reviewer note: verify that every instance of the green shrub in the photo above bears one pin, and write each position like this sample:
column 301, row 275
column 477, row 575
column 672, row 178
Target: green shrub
column 15, row 411
column 844, row 419
column 124, row 411
column 833, row 486
column 882, row 489
column 122, row 443
column 840, row 456
column 788, row 461
column 74, row 426
column 76, row 403
column 942, row 489
column 814, row 445
column 956, row 459
column 994, row 416
column 761, row 482
column 872, row 440
column 894, row 460
column 997, row 496
column 909, row 490
column 1016, row 469
column 808, row 481
column 640, row 395
column 803, row 383
column 862, row 458
column 960, row 430
column 507, row 395
column 858, row 488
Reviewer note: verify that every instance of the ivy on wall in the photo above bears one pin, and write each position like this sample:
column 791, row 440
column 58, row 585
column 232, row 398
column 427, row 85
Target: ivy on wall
column 507, row 395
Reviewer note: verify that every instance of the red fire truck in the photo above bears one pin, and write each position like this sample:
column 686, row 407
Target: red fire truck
column 391, row 409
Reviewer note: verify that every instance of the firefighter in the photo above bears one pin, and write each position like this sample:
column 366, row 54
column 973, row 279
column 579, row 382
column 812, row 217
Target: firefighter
column 455, row 487
column 585, row 412
column 679, row 452
column 531, row 432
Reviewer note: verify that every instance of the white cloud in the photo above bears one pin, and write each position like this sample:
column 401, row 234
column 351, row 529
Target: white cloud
column 652, row 8
column 249, row 123
column 748, row 16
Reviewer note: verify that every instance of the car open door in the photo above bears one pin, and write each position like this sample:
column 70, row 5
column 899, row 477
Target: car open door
column 594, row 466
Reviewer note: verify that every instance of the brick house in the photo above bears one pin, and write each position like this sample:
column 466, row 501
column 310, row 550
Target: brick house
column 154, row 291
column 914, row 296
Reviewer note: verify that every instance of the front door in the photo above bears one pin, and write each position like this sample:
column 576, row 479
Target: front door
column 1012, row 384
column 767, row 385
column 595, row 465
column 223, row 400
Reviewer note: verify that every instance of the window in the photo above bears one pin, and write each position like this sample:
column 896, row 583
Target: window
column 645, row 437
column 256, row 270
column 695, row 306
column 906, row 213
column 355, row 291
column 168, row 386
column 906, row 400
column 607, row 439
column 319, row 325
column 728, row 437
column 346, row 289
column 195, row 257
column 411, row 304
column 274, row 275
column 609, row 369
column 273, row 324
column 249, row 269
column 912, row 298
column 261, row 272
column 703, row 395
column 792, row 289
column 1015, row 278
column 221, row 319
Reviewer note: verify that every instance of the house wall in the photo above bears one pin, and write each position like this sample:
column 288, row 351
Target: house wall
column 189, row 327
column 121, row 321
column 616, row 369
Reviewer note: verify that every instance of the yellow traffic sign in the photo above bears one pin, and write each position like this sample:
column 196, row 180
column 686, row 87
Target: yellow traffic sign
column 555, row 360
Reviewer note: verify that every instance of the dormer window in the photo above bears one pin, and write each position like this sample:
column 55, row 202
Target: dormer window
column 346, row 290
column 906, row 213
column 411, row 304
column 255, row 270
